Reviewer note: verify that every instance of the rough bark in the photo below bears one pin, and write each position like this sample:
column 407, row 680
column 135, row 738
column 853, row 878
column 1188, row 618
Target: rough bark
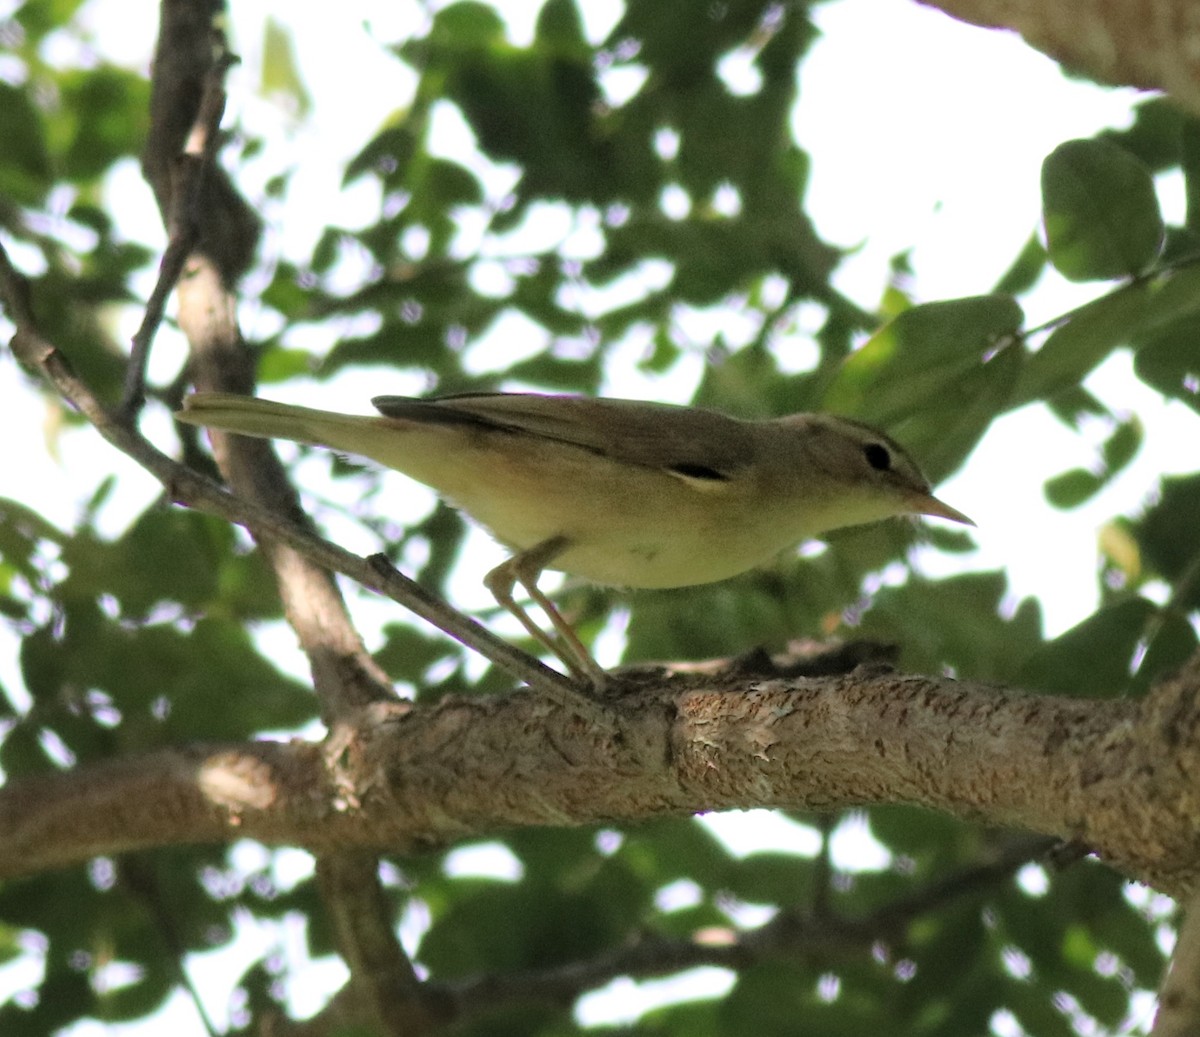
column 1151, row 44
column 1118, row 777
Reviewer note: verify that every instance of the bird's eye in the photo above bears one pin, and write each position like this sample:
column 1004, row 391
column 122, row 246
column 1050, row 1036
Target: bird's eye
column 878, row 456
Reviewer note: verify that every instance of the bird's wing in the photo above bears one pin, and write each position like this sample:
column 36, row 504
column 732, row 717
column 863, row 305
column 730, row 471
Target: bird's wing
column 684, row 440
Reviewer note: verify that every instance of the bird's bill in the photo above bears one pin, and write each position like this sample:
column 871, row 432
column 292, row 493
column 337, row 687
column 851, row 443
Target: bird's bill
column 927, row 504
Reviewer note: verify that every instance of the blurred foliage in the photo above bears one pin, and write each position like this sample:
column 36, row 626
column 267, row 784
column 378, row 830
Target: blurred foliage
column 674, row 198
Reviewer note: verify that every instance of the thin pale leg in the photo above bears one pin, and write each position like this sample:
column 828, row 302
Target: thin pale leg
column 525, row 568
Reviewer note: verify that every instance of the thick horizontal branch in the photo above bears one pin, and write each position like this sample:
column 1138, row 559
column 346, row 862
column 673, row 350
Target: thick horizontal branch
column 1094, row 772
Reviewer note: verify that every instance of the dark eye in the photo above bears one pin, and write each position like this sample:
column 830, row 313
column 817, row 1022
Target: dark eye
column 878, row 456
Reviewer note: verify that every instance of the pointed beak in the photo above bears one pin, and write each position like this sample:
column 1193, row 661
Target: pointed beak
column 927, row 504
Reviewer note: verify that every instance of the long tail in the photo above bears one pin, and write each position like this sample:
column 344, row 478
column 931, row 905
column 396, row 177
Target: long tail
column 266, row 419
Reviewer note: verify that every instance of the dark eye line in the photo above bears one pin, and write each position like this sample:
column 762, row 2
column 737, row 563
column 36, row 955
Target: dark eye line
column 878, row 456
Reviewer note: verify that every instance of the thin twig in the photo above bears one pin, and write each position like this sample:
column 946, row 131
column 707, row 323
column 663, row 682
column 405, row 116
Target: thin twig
column 1012, row 857
column 791, row 934
column 183, row 225
column 199, row 204
column 360, row 912
column 137, row 876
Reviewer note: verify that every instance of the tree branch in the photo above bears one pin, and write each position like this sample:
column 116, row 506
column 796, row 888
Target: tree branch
column 381, row 974
column 183, row 222
column 1096, row 772
column 790, row 935
column 1150, row 47
column 187, row 100
column 138, row 877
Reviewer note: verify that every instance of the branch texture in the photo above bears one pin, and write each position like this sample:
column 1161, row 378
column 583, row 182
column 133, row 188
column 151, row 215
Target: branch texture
column 1094, row 772
column 1151, row 44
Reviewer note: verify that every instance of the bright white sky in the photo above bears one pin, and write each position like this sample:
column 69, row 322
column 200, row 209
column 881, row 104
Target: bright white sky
column 923, row 132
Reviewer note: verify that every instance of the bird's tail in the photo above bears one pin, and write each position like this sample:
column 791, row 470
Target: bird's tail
column 266, row 419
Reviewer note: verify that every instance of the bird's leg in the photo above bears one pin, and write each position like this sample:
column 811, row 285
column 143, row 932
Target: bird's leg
column 524, row 568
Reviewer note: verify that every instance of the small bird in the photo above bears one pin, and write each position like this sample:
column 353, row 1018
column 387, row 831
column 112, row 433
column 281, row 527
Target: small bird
column 618, row 492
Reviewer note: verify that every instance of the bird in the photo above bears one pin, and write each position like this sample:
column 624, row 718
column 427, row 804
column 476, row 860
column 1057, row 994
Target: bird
column 617, row 492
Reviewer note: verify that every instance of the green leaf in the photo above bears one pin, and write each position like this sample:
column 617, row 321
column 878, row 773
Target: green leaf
column 134, row 1000
column 536, row 106
column 1172, row 643
column 915, row 832
column 476, row 933
column 166, row 555
column 40, row 19
column 278, row 364
column 1073, row 405
column 1070, row 489
column 1074, row 487
column 954, row 622
column 1189, row 137
column 1100, row 211
column 280, row 70
column 560, row 25
column 255, row 695
column 772, row 878
column 698, row 622
column 442, row 185
column 1093, row 659
column 1154, row 137
column 1174, row 294
column 1025, row 269
column 23, row 752
column 24, row 161
column 1169, row 536
column 408, row 652
column 916, row 358
column 1077, row 347
column 103, row 119
column 22, row 530
column 1034, row 1008
column 467, row 24
column 1169, row 361
column 1122, row 446
column 676, row 848
column 1126, row 933
column 943, row 432
column 387, row 155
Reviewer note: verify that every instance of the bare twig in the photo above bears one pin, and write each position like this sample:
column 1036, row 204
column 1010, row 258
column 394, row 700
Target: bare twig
column 792, row 934
column 137, row 876
column 1014, row 855
column 183, row 223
